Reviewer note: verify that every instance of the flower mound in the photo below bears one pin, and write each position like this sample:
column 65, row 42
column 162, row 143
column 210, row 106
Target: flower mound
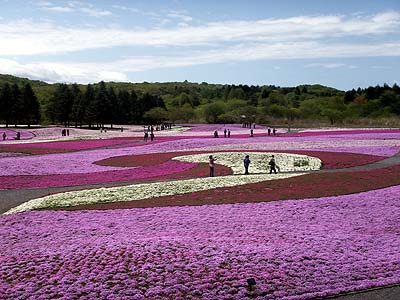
column 293, row 249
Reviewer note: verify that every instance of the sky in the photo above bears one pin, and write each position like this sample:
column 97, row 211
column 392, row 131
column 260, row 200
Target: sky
column 344, row 44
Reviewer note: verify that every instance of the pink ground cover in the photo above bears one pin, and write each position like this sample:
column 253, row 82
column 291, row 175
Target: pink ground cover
column 157, row 165
column 74, row 145
column 331, row 160
column 82, row 162
column 41, row 181
column 293, row 249
column 12, row 133
column 376, row 132
column 219, row 127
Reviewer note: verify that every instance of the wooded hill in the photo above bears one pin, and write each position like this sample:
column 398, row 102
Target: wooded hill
column 24, row 101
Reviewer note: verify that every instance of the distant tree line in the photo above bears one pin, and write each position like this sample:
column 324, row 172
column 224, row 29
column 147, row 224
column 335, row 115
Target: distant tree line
column 18, row 105
column 95, row 105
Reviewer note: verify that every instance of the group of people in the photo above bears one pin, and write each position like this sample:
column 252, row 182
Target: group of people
column 17, row 136
column 146, row 136
column 249, row 125
column 227, row 133
column 162, row 126
column 65, row 132
column 273, row 131
column 246, row 163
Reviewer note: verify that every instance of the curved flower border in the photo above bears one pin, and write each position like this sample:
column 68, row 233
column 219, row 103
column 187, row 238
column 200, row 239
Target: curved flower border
column 143, row 191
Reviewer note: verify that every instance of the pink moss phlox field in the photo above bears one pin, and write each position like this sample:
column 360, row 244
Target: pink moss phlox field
column 75, row 145
column 294, row 250
column 376, row 132
column 219, row 127
column 82, row 162
column 122, row 174
column 12, row 133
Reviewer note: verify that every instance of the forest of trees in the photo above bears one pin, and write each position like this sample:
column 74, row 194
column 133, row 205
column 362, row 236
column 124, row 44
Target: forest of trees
column 27, row 102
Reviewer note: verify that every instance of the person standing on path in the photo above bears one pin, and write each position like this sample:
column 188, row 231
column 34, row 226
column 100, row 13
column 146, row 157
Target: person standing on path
column 229, row 133
column 251, row 133
column 272, row 165
column 211, row 161
column 216, row 134
column 151, row 136
column 225, row 133
column 246, row 162
column 4, row 136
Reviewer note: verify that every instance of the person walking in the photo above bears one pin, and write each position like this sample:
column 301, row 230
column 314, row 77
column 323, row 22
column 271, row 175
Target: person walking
column 229, row 133
column 246, row 162
column 4, row 136
column 225, row 131
column 269, row 131
column 251, row 133
column 151, row 136
column 146, row 136
column 272, row 165
column 211, row 162
column 274, row 131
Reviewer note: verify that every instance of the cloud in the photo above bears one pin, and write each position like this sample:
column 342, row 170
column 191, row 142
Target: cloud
column 331, row 65
column 58, row 8
column 136, row 11
column 180, row 15
column 93, row 12
column 29, row 38
column 119, row 69
column 60, row 72
column 74, row 6
column 303, row 37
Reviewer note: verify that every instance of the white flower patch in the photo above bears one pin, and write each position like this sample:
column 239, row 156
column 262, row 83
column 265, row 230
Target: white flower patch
column 259, row 161
column 143, row 191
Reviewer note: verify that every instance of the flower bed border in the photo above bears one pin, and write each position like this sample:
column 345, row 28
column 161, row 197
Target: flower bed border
column 312, row 185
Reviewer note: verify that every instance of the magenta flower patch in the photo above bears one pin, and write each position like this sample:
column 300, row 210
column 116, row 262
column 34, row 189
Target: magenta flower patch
column 293, row 250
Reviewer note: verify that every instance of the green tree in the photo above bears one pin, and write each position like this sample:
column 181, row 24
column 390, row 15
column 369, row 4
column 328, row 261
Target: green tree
column 334, row 115
column 78, row 109
column 103, row 105
column 156, row 115
column 391, row 99
column 124, row 109
column 212, row 111
column 112, row 98
column 89, row 104
column 17, row 107
column 60, row 108
column 6, row 104
column 184, row 113
column 31, row 109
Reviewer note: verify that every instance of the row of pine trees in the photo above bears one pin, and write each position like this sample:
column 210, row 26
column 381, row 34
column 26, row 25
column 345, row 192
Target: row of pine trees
column 19, row 105
column 70, row 105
